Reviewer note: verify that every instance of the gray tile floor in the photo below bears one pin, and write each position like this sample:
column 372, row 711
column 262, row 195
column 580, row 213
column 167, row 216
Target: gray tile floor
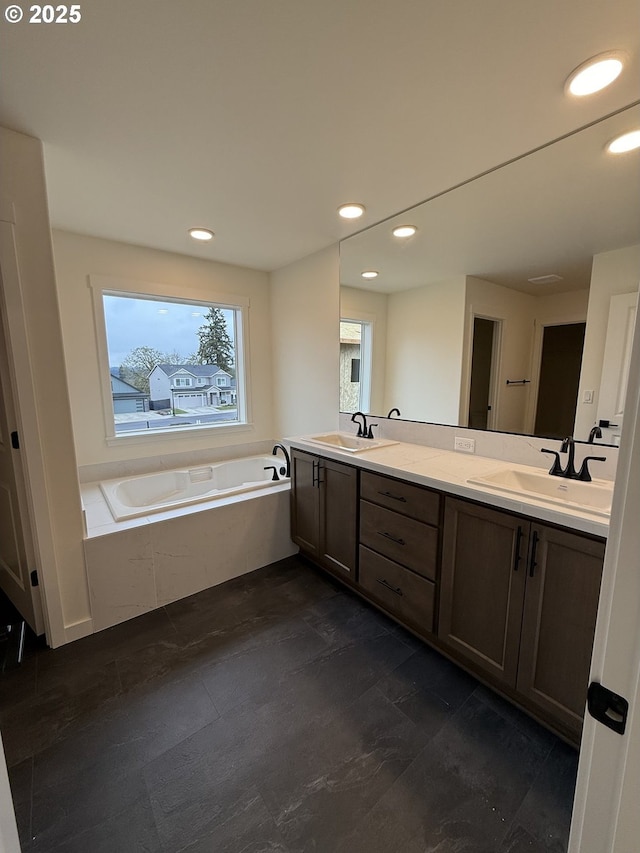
column 278, row 713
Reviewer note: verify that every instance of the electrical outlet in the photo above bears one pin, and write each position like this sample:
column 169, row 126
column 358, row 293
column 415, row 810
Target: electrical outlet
column 467, row 445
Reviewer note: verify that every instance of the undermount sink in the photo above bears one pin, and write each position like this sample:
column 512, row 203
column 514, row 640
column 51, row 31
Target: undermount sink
column 350, row 443
column 592, row 497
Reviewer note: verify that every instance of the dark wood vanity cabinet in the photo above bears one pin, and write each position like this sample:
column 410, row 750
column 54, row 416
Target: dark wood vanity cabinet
column 518, row 601
column 323, row 511
column 399, row 548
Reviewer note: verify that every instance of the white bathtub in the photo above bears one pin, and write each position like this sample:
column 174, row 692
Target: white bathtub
column 143, row 495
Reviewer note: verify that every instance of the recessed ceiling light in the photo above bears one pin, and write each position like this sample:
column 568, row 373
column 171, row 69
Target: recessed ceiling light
column 163, row 310
column 201, row 234
column 595, row 74
column 627, row 142
column 404, row 231
column 369, row 274
column 351, row 210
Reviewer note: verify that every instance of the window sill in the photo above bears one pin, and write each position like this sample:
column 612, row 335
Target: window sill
column 151, row 435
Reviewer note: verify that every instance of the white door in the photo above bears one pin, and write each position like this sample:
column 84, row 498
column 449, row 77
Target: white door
column 615, row 365
column 606, row 815
column 17, row 559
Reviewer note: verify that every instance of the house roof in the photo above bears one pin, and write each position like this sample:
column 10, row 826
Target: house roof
column 120, row 387
column 194, row 369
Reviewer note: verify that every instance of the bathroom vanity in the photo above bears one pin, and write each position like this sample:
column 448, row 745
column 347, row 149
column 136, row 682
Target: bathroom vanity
column 505, row 585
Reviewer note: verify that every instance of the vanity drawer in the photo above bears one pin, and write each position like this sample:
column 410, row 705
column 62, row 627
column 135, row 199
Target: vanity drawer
column 402, row 539
column 401, row 592
column 414, row 501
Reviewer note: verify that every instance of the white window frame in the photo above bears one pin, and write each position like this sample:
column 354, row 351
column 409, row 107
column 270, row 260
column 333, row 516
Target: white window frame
column 100, row 286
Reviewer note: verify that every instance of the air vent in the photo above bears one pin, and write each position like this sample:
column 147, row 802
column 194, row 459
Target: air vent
column 545, row 279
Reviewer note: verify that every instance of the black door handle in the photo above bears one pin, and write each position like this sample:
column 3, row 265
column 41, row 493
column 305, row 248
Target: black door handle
column 516, row 559
column 534, row 547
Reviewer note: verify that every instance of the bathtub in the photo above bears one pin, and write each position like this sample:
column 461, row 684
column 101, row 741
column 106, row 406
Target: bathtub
column 143, row 495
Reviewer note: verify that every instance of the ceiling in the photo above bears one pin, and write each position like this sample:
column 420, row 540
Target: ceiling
column 547, row 213
column 257, row 118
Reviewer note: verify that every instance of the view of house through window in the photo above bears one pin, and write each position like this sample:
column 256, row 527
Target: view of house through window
column 355, row 366
column 172, row 364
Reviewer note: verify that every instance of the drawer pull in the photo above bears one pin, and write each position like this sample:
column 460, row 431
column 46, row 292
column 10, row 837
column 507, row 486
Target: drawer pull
column 393, row 497
column 395, row 539
column 387, row 585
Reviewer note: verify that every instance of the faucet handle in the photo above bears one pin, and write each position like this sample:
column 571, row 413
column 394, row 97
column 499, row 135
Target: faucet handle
column 556, row 469
column 370, row 433
column 584, row 474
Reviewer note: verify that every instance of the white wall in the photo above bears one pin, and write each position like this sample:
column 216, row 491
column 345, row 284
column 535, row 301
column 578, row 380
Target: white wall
column 358, row 304
column 612, row 273
column 48, row 445
column 425, row 332
column 77, row 257
column 305, row 310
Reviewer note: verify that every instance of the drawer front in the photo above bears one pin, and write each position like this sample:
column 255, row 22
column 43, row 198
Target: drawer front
column 402, row 539
column 401, row 592
column 414, row 501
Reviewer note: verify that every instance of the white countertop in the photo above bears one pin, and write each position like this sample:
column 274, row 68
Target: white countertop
column 449, row 471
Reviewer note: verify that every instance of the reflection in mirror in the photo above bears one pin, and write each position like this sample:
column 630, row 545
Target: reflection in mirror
column 494, row 313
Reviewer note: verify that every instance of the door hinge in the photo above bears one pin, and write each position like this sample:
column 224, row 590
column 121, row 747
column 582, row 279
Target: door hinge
column 15, row 441
column 34, row 578
column 607, row 707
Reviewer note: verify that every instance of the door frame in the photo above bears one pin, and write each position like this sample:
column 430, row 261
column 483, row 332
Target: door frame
column 494, row 381
column 27, row 414
column 539, row 325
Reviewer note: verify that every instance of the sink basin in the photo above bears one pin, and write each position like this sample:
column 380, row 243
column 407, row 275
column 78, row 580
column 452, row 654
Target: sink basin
column 592, row 497
column 350, row 443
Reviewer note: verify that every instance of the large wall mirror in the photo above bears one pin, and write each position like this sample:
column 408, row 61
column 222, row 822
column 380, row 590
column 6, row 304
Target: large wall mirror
column 498, row 312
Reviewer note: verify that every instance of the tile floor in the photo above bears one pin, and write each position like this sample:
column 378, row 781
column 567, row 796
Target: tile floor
column 276, row 712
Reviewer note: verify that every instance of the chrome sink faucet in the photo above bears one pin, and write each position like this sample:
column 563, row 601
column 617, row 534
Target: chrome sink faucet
column 569, row 471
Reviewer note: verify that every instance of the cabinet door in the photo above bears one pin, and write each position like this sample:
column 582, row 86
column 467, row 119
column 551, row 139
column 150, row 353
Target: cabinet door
column 338, row 509
column 305, row 505
column 560, row 608
column 482, row 586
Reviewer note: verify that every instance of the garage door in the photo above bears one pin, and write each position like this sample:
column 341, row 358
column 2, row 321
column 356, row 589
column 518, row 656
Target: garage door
column 189, row 399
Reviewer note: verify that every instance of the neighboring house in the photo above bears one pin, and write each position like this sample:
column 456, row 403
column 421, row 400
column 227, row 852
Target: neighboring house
column 126, row 397
column 190, row 385
column 350, row 334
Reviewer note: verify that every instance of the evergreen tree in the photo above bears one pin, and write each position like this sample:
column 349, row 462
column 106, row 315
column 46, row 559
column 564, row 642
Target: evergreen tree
column 216, row 346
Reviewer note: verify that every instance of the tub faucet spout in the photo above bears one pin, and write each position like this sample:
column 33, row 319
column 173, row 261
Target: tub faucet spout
column 286, row 457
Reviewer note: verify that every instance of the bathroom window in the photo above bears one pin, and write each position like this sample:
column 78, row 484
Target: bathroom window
column 165, row 361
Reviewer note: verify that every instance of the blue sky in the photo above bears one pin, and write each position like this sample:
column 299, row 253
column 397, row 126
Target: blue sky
column 134, row 322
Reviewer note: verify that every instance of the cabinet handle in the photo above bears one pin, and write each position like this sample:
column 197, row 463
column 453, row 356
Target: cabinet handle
column 314, row 462
column 395, row 539
column 320, row 468
column 534, row 548
column 393, row 497
column 387, row 585
column 516, row 561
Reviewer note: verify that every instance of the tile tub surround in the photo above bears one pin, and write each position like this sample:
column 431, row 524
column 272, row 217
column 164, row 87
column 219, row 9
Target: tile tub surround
column 144, row 563
column 449, row 471
column 276, row 712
